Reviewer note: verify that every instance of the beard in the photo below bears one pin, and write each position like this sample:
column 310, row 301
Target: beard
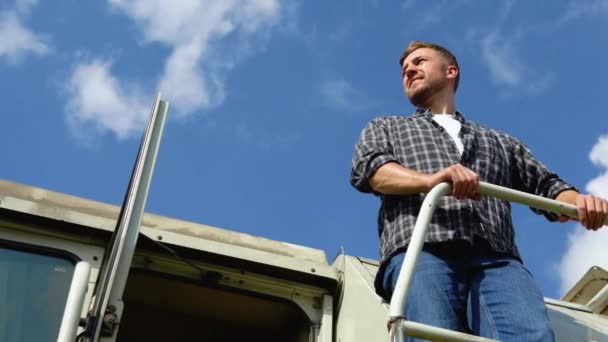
column 421, row 97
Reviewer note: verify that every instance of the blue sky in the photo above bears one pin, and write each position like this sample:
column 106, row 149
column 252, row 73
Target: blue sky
column 268, row 98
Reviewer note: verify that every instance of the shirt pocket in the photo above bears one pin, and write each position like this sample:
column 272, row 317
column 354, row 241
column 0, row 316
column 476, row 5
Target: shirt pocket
column 492, row 165
column 422, row 157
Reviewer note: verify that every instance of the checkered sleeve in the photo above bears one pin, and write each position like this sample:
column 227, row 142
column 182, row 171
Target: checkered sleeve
column 372, row 150
column 533, row 176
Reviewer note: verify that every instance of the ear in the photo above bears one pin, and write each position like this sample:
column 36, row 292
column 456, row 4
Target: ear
column 451, row 72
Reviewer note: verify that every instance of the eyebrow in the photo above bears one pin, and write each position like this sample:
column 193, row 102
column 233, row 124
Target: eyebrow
column 413, row 60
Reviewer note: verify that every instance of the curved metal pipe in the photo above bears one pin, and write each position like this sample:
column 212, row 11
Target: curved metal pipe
column 397, row 320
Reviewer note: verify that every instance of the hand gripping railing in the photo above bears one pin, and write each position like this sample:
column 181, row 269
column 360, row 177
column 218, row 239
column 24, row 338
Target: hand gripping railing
column 399, row 327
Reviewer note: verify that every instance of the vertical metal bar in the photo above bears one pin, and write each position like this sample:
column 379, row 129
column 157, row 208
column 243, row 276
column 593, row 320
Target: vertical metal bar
column 118, row 257
column 325, row 332
column 413, row 250
column 396, row 331
column 130, row 241
column 74, row 303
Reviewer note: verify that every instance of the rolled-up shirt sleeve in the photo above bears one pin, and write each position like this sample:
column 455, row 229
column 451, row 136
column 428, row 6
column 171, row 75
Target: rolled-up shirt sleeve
column 373, row 149
column 534, row 177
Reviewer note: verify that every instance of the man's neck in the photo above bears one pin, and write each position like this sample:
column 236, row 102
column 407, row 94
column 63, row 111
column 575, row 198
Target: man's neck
column 443, row 108
column 443, row 103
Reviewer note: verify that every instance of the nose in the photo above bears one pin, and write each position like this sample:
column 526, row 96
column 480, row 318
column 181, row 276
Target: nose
column 410, row 71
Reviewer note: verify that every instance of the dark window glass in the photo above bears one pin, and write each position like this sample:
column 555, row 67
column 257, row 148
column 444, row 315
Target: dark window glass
column 33, row 292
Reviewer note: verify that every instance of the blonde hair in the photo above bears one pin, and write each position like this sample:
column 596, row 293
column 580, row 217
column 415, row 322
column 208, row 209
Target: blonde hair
column 416, row 44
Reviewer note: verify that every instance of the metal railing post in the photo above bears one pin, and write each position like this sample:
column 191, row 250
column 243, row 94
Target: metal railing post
column 397, row 321
column 411, row 256
column 74, row 302
column 114, row 270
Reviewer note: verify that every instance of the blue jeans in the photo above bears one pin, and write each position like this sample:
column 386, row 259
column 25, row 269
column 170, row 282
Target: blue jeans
column 472, row 289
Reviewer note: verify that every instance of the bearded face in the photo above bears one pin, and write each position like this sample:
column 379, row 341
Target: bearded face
column 422, row 90
column 424, row 76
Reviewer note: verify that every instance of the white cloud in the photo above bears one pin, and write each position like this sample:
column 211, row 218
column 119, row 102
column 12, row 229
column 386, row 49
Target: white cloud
column 99, row 101
column 190, row 28
column 538, row 85
column 421, row 15
column 341, row 95
column 16, row 40
column 586, row 249
column 262, row 139
column 599, row 156
column 499, row 56
column 577, row 9
column 501, row 51
column 507, row 67
column 206, row 39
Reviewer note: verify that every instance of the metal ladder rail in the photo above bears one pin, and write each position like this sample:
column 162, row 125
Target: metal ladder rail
column 397, row 322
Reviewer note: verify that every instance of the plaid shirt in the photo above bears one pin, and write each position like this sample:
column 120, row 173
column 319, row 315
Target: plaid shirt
column 419, row 143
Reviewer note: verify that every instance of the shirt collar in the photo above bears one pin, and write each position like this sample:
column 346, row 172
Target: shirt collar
column 426, row 113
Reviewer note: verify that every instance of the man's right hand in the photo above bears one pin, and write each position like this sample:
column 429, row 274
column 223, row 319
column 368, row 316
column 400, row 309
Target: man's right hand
column 464, row 181
column 394, row 179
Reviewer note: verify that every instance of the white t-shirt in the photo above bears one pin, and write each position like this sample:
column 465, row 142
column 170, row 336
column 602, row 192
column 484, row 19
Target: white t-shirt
column 452, row 126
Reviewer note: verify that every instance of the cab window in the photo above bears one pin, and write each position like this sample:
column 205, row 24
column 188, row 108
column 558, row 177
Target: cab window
column 34, row 287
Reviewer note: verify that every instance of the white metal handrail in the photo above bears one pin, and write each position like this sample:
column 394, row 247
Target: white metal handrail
column 74, row 302
column 114, row 270
column 397, row 322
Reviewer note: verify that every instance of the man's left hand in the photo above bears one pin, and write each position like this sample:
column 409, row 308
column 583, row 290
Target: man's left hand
column 592, row 211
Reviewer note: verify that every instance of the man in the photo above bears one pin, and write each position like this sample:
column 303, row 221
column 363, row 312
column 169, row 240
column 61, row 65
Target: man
column 469, row 276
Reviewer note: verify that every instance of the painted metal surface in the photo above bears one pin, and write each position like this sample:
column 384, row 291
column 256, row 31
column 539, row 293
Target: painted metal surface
column 323, row 331
column 270, row 259
column 86, row 215
column 359, row 314
column 570, row 321
column 102, row 216
column 591, row 290
column 575, row 325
